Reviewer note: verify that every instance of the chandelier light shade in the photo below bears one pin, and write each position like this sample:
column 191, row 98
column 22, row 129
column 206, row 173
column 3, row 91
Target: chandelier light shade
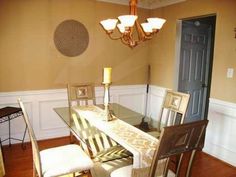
column 128, row 25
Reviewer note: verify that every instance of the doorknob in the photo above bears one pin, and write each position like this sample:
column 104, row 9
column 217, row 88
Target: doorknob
column 204, row 85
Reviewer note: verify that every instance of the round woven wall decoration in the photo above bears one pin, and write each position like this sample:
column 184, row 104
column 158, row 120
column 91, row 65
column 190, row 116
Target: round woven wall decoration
column 71, row 38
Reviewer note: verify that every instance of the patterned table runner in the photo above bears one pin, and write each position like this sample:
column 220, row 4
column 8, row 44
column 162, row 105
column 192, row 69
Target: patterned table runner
column 139, row 143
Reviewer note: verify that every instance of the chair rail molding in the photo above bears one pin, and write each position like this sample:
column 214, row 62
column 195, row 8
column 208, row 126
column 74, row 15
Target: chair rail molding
column 46, row 123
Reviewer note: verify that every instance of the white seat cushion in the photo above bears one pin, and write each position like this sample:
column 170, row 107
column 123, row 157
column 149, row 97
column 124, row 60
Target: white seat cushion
column 122, row 172
column 63, row 160
column 127, row 171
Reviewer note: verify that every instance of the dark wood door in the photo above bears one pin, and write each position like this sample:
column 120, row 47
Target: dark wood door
column 195, row 67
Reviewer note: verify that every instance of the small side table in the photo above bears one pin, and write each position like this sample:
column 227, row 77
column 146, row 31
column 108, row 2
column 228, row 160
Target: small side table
column 6, row 115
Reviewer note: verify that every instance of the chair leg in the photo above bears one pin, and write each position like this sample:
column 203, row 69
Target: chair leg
column 179, row 161
column 190, row 163
column 34, row 171
column 165, row 173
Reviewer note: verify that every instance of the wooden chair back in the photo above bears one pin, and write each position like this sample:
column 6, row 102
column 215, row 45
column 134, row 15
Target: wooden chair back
column 33, row 140
column 81, row 94
column 176, row 140
column 173, row 109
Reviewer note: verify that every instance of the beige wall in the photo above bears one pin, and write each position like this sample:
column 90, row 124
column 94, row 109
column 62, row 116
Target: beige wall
column 30, row 61
column 162, row 57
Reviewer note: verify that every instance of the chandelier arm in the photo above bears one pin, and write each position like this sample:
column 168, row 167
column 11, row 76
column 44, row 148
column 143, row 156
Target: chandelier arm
column 113, row 38
column 141, row 34
column 124, row 41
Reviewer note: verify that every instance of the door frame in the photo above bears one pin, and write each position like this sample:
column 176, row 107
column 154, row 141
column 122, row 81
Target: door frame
column 177, row 56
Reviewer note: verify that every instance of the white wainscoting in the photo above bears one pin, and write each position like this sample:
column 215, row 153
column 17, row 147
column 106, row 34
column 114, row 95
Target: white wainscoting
column 221, row 131
column 220, row 136
column 46, row 123
column 155, row 100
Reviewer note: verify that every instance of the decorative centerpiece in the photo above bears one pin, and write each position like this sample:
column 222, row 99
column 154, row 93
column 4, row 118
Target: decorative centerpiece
column 106, row 82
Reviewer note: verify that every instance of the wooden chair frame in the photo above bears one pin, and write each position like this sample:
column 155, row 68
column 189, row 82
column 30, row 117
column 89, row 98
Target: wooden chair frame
column 79, row 94
column 174, row 107
column 176, row 140
column 37, row 166
column 95, row 143
column 2, row 169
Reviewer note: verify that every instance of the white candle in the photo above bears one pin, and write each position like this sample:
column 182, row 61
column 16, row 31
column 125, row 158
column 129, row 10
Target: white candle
column 107, row 75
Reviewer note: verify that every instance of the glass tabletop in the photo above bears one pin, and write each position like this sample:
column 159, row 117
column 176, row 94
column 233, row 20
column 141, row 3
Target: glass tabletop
column 121, row 112
column 85, row 132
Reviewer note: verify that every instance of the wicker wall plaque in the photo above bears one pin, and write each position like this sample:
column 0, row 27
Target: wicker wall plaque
column 71, row 38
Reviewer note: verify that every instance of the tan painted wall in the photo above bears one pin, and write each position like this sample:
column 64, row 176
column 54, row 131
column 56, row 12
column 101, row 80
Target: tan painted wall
column 30, row 61
column 162, row 57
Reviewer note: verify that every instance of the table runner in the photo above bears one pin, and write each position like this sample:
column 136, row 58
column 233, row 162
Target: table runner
column 139, row 143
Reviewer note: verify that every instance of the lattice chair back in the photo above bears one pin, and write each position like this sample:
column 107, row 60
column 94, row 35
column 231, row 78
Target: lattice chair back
column 78, row 95
column 35, row 149
column 176, row 140
column 174, row 108
column 97, row 144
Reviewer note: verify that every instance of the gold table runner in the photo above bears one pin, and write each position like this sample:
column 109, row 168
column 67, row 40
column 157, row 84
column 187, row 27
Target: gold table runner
column 139, row 143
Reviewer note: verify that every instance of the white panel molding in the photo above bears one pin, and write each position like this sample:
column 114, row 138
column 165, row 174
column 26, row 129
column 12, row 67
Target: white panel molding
column 155, row 99
column 224, row 108
column 46, row 123
column 221, row 131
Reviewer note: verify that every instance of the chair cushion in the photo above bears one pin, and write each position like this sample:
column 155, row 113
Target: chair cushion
column 63, row 160
column 122, row 172
column 127, row 172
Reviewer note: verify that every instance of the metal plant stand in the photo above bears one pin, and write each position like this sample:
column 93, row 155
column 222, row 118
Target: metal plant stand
column 6, row 115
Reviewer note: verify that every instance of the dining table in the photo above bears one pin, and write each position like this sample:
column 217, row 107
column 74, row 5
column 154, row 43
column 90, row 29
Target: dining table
column 123, row 129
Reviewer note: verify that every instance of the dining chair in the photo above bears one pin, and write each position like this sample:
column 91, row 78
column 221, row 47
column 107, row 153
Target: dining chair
column 58, row 161
column 173, row 110
column 2, row 170
column 174, row 140
column 98, row 145
column 79, row 94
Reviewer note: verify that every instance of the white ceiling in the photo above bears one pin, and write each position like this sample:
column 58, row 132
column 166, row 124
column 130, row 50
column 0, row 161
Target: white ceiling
column 148, row 4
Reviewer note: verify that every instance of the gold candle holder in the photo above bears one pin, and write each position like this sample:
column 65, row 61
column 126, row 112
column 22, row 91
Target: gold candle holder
column 107, row 82
column 108, row 116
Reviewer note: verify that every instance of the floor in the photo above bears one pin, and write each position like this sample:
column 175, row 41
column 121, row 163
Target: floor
column 18, row 162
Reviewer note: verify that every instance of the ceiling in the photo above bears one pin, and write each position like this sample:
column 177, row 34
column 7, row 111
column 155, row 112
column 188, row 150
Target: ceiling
column 148, row 4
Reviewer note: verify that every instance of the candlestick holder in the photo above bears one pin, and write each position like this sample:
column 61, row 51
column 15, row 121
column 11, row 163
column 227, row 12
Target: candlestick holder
column 108, row 116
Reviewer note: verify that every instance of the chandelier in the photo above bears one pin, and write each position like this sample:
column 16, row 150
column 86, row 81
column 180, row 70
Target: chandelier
column 131, row 31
